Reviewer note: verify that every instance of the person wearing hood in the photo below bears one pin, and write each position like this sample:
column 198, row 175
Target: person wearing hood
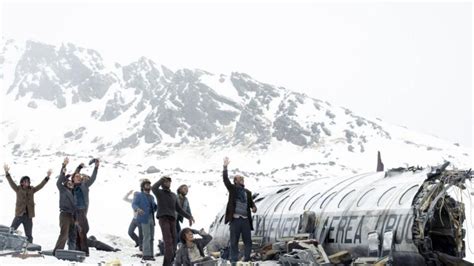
column 144, row 205
column 191, row 250
column 182, row 191
column 25, row 201
column 238, row 214
column 67, row 206
column 168, row 206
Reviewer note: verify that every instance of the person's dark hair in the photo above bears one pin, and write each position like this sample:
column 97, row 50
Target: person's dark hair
column 144, row 182
column 182, row 234
column 178, row 191
column 67, row 179
column 25, row 178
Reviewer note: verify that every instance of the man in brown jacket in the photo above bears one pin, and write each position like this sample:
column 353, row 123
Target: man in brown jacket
column 25, row 202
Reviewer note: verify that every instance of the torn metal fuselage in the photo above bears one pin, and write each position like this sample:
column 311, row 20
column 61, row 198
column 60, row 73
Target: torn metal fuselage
column 414, row 205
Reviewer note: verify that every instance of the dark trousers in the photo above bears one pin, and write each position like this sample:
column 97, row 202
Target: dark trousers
column 82, row 230
column 131, row 232
column 237, row 227
column 27, row 225
column 65, row 222
column 168, row 230
column 178, row 230
column 71, row 241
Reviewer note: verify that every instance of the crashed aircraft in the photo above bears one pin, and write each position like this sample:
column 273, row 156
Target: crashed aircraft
column 408, row 214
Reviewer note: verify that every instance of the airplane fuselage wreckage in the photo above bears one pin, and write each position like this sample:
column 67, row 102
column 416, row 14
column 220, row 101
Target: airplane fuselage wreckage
column 411, row 216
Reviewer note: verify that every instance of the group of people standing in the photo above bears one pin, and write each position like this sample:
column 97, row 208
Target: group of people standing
column 170, row 210
column 73, row 205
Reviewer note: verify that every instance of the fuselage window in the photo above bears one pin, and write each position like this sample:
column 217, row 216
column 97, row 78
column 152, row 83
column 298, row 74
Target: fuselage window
column 293, row 203
column 408, row 195
column 385, row 196
column 307, row 203
column 282, row 190
column 281, row 201
column 327, row 200
column 258, row 200
column 364, row 197
column 346, row 199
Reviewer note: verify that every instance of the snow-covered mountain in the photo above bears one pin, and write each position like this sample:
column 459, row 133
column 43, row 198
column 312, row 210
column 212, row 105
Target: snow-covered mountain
column 145, row 120
column 68, row 98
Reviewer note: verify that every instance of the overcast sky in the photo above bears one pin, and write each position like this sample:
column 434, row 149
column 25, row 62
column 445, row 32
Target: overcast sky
column 409, row 64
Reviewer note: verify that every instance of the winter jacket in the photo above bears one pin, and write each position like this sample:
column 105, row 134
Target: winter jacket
column 25, row 200
column 147, row 204
column 86, row 184
column 167, row 202
column 67, row 202
column 182, row 255
column 231, row 203
column 184, row 205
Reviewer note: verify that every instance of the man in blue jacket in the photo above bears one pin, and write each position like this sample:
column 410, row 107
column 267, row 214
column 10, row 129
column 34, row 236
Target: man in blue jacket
column 144, row 205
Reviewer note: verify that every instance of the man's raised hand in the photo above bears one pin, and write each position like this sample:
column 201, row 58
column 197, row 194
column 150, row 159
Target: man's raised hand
column 6, row 168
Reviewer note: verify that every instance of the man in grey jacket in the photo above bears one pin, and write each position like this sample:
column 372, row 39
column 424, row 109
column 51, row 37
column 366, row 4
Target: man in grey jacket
column 167, row 207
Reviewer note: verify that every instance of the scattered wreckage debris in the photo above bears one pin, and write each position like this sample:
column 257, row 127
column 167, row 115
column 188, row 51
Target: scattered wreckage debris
column 12, row 243
column 403, row 216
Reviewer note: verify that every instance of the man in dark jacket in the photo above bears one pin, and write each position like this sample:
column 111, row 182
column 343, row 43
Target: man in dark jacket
column 192, row 250
column 144, row 205
column 167, row 208
column 67, row 206
column 81, row 195
column 238, row 214
column 25, row 202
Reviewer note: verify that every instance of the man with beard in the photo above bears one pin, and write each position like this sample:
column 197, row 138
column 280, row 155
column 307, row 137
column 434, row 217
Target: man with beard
column 144, row 205
column 167, row 207
column 25, row 201
column 238, row 214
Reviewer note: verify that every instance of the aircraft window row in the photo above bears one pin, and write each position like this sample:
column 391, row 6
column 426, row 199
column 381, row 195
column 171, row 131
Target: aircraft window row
column 314, row 196
column 293, row 203
column 346, row 199
column 385, row 196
